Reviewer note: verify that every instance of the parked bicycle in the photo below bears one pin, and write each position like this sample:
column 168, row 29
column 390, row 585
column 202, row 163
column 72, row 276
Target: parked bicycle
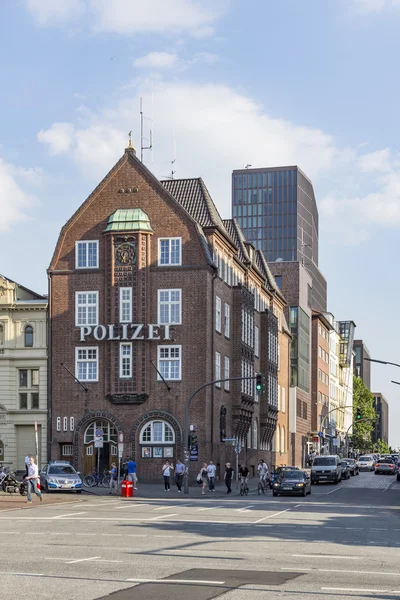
column 244, row 490
column 95, row 478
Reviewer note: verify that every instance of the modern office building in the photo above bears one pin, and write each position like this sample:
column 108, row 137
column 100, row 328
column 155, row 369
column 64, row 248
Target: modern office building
column 362, row 367
column 152, row 295
column 381, row 429
column 277, row 211
column 23, row 374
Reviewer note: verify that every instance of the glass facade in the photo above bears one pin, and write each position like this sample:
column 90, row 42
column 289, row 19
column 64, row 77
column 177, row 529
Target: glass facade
column 300, row 348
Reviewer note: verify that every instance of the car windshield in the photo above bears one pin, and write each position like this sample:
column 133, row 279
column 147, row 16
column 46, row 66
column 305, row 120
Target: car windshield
column 62, row 470
column 365, row 458
column 385, row 461
column 323, row 461
column 292, row 475
column 350, row 461
column 344, row 463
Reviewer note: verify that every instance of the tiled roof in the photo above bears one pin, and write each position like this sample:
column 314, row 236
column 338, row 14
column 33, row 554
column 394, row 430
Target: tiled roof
column 235, row 232
column 264, row 268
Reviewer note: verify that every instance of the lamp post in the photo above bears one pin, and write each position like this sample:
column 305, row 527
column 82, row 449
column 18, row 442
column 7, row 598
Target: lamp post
column 382, row 362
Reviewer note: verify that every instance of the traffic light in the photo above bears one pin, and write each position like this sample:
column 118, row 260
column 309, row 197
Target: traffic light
column 358, row 414
column 260, row 383
column 192, row 436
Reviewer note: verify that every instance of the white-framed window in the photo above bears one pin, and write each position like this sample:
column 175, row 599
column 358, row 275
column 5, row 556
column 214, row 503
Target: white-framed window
column 170, row 307
column 218, row 315
column 170, row 251
column 218, row 368
column 170, row 362
column 125, row 305
column 72, row 424
column 87, row 363
column 86, row 308
column 89, row 450
column 65, row 423
column 157, row 432
column 255, row 434
column 114, row 451
column 125, row 360
column 87, row 254
column 256, row 342
column 110, row 433
column 283, row 399
column 227, row 320
column 67, row 450
column 226, row 373
column 58, row 423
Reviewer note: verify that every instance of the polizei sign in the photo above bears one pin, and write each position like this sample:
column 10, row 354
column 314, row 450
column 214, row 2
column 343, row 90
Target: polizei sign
column 125, row 332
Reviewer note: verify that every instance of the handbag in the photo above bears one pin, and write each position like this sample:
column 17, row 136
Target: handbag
column 199, row 479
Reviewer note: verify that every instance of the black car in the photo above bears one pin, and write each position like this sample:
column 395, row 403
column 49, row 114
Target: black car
column 345, row 469
column 278, row 470
column 292, row 482
column 353, row 466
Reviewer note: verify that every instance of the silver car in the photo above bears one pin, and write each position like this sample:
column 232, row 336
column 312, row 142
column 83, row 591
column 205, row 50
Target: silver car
column 60, row 476
column 367, row 462
column 385, row 465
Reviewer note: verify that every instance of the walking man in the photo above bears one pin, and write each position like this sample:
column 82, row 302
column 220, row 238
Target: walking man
column 211, row 476
column 131, row 468
column 228, row 477
column 179, row 470
column 32, row 480
column 26, row 460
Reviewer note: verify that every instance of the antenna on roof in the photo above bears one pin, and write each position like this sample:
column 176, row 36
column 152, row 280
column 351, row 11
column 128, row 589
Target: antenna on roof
column 142, row 138
column 247, row 166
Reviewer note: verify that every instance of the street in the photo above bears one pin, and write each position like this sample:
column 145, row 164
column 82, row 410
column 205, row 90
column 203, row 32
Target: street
column 342, row 541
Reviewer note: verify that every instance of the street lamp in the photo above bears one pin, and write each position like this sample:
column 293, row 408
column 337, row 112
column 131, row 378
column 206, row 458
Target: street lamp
column 396, row 382
column 382, row 362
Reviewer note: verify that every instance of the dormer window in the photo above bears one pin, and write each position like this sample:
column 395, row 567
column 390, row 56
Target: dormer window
column 28, row 336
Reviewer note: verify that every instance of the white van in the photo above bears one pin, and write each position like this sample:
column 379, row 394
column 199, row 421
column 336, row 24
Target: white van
column 326, row 468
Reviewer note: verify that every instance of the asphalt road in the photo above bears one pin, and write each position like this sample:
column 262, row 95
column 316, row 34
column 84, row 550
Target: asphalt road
column 341, row 542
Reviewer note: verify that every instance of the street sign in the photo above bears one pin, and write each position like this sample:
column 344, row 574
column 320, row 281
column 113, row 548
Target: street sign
column 99, row 433
column 194, row 452
column 121, row 437
column 320, row 434
column 98, row 443
column 120, row 449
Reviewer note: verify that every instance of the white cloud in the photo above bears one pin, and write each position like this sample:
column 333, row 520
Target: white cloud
column 59, row 137
column 375, row 161
column 54, row 12
column 373, row 6
column 156, row 60
column 15, row 201
column 128, row 17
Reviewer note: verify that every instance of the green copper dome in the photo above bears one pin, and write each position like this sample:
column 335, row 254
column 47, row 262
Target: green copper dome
column 129, row 219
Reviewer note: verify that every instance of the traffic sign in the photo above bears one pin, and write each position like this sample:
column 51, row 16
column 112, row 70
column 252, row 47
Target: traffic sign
column 120, row 437
column 320, row 434
column 120, row 450
column 98, row 443
column 99, row 433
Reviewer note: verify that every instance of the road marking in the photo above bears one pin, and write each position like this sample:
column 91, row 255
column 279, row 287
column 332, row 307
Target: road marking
column 378, row 529
column 327, row 556
column 85, row 534
column 32, row 533
column 131, row 505
column 271, row 516
column 72, row 562
column 110, row 534
column 328, row 527
column 162, row 517
column 245, row 508
column 355, row 528
column 163, row 581
column 392, row 574
column 358, row 590
column 333, row 491
column 69, row 515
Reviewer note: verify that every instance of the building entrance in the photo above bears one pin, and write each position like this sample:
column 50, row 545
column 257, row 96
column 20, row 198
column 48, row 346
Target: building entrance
column 103, row 456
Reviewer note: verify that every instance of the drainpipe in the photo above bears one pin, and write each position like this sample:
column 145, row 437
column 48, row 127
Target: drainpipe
column 49, row 370
column 215, row 276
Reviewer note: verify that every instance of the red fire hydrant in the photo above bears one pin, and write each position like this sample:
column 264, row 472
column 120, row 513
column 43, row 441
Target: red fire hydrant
column 126, row 488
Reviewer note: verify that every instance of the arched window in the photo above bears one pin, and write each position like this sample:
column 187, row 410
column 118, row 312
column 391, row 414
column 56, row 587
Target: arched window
column 157, row 432
column 29, row 336
column 278, row 439
column 110, row 433
column 1, row 335
column 255, row 434
column 283, row 440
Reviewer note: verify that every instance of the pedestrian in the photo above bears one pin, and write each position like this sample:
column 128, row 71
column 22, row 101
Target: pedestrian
column 166, row 471
column 131, row 468
column 204, row 478
column 113, row 478
column 211, row 476
column 228, row 477
column 179, row 470
column 26, row 460
column 32, row 480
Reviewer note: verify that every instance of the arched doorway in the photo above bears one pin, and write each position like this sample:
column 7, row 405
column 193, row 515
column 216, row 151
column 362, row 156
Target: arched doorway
column 100, row 456
column 1, row 451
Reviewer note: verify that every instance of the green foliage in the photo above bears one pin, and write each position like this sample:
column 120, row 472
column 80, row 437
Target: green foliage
column 382, row 447
column 363, row 401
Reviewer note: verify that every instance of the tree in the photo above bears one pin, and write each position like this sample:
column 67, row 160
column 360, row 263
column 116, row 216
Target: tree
column 363, row 405
column 381, row 447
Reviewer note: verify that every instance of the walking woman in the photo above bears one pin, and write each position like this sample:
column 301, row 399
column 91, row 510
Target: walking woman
column 204, row 478
column 166, row 471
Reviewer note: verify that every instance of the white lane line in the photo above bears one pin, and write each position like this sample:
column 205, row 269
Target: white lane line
column 328, row 527
column 85, row 534
column 332, row 589
column 32, row 533
column 355, row 528
column 107, row 560
column 164, row 581
column 333, row 491
column 164, row 508
column 111, row 534
column 329, row 556
column 210, row 508
column 72, row 562
column 377, row 529
column 245, row 508
column 271, row 516
column 131, row 505
column 391, row 574
column 60, row 533
column 162, row 517
column 69, row 515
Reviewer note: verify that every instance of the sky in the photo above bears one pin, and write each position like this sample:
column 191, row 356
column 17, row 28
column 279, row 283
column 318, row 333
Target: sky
column 224, row 84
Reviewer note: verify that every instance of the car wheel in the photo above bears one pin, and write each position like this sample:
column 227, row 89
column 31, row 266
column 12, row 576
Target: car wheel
column 274, row 493
column 79, row 491
column 304, row 493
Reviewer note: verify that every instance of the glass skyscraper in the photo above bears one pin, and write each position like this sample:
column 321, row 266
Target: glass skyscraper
column 277, row 211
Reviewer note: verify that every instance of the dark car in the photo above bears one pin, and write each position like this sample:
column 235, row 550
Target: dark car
column 292, row 482
column 278, row 470
column 353, row 466
column 345, row 469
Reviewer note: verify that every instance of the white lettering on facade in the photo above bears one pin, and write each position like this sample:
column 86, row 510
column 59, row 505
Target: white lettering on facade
column 100, row 332
column 124, row 335
column 137, row 328
column 111, row 335
column 137, row 331
column 85, row 331
column 154, row 332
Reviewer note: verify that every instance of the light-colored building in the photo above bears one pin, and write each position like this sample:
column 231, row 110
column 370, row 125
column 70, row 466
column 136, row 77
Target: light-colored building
column 281, row 438
column 23, row 374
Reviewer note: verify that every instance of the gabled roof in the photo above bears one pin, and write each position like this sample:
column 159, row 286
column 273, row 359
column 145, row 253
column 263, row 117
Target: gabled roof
column 264, row 268
column 235, row 232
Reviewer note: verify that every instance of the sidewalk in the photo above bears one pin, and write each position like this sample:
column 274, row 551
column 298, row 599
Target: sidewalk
column 156, row 490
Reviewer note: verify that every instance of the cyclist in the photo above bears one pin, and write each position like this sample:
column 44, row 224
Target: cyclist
column 243, row 473
column 263, row 472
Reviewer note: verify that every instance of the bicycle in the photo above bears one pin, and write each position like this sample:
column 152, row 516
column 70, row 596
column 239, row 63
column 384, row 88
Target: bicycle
column 262, row 485
column 95, row 478
column 244, row 490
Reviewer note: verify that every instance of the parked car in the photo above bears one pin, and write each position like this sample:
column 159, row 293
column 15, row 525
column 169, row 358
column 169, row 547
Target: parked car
column 278, row 470
column 353, row 466
column 345, row 469
column 367, row 462
column 385, row 465
column 292, row 482
column 60, row 475
column 326, row 468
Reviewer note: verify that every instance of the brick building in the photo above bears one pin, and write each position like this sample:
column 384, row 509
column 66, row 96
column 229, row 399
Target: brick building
column 320, row 330
column 151, row 295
